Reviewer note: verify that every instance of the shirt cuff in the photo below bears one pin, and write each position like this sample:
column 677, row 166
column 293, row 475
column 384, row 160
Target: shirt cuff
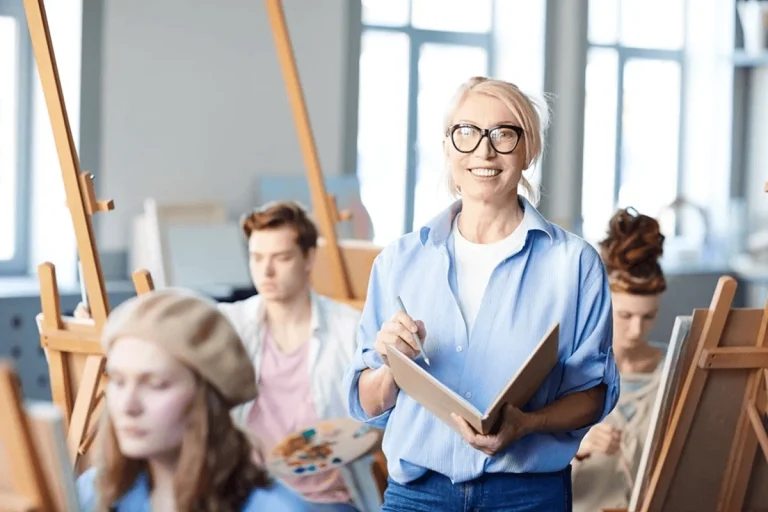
column 356, row 410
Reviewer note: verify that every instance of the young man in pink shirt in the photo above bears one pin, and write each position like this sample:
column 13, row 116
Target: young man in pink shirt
column 300, row 344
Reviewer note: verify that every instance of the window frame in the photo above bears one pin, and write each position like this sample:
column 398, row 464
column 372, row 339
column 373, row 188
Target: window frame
column 626, row 54
column 416, row 38
column 19, row 263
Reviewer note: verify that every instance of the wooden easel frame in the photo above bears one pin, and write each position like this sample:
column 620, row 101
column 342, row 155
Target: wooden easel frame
column 31, row 490
column 64, row 339
column 350, row 266
column 712, row 354
column 342, row 261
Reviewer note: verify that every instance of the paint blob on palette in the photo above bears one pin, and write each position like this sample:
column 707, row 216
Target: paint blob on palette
column 322, row 447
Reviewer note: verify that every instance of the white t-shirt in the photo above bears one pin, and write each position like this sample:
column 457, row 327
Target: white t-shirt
column 474, row 265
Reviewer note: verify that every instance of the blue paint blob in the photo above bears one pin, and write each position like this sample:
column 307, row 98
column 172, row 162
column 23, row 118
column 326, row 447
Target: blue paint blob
column 311, row 468
column 336, row 460
column 298, row 470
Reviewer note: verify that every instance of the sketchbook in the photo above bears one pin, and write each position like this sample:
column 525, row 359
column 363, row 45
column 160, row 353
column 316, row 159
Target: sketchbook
column 441, row 401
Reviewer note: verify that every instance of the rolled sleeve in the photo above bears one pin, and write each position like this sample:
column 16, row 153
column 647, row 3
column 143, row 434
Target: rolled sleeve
column 365, row 355
column 592, row 363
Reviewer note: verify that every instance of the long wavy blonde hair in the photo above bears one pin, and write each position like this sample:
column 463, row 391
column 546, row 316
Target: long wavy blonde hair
column 215, row 471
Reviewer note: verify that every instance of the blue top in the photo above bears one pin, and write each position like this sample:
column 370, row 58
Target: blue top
column 276, row 498
column 554, row 276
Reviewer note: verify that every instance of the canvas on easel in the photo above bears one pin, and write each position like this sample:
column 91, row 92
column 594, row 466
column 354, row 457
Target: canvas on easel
column 668, row 385
column 441, row 401
column 714, row 454
column 73, row 351
column 35, row 472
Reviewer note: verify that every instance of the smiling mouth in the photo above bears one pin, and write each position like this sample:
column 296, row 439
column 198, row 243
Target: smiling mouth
column 485, row 173
column 133, row 432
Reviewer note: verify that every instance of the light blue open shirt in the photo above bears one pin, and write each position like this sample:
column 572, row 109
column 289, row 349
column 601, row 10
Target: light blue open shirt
column 276, row 498
column 554, row 277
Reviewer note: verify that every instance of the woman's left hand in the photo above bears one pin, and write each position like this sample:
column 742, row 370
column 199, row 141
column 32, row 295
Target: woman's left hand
column 514, row 425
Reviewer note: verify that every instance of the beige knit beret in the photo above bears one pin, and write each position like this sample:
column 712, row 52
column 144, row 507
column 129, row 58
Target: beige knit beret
column 193, row 330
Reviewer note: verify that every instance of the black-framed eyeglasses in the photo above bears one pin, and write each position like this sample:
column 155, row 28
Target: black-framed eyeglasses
column 503, row 138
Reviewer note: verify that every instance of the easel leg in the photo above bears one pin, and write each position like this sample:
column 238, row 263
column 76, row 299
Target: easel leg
column 142, row 281
column 61, row 392
column 94, row 367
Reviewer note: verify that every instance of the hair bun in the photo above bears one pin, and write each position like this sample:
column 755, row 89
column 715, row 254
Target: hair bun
column 631, row 253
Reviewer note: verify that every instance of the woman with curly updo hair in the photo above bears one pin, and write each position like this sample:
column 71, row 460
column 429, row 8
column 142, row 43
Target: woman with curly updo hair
column 606, row 463
column 175, row 367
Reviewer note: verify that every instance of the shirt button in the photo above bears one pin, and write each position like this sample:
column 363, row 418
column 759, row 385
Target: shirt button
column 459, row 349
column 468, row 394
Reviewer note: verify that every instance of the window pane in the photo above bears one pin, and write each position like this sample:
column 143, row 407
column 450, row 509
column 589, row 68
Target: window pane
column 390, row 13
column 523, row 68
column 452, row 15
column 603, row 21
column 437, row 84
column 650, row 138
column 382, row 135
column 653, row 23
column 597, row 196
column 8, row 134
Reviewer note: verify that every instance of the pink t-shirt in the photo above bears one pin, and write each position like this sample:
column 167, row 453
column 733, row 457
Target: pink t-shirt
column 285, row 405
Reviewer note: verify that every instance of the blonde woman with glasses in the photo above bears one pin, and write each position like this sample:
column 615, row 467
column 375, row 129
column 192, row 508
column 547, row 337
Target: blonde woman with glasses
column 483, row 282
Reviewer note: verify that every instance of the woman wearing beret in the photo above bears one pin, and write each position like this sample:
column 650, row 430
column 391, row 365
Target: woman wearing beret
column 175, row 368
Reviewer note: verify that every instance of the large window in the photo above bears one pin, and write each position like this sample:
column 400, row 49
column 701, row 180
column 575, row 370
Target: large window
column 633, row 111
column 414, row 54
column 15, row 74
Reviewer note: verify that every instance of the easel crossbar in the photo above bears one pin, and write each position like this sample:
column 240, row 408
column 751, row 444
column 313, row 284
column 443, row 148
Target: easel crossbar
column 734, row 358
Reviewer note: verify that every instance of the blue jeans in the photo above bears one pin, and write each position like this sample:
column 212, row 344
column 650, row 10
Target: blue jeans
column 508, row 492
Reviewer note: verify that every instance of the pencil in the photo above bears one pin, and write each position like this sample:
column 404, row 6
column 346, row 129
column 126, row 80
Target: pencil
column 415, row 335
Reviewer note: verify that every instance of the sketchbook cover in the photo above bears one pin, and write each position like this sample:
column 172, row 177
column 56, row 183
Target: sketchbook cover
column 442, row 401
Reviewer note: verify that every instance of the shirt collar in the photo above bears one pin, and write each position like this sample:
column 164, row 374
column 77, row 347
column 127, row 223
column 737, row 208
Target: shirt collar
column 437, row 230
column 316, row 320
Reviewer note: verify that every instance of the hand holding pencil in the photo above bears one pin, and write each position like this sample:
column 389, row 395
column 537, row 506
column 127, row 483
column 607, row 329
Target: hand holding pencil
column 404, row 333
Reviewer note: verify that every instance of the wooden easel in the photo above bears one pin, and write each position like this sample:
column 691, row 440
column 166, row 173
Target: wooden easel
column 709, row 458
column 341, row 270
column 74, row 353
column 29, row 490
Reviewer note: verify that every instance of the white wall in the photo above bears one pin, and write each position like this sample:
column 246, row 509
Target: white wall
column 194, row 105
column 756, row 159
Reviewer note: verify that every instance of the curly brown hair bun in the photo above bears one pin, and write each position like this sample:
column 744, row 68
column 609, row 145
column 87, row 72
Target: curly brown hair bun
column 631, row 253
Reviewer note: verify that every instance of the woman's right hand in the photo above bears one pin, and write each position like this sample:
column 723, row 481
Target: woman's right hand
column 398, row 332
column 82, row 312
column 602, row 438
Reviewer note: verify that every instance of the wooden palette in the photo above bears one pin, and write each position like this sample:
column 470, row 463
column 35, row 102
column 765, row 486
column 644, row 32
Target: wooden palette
column 326, row 445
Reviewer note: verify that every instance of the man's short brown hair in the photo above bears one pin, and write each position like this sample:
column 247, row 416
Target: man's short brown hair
column 279, row 214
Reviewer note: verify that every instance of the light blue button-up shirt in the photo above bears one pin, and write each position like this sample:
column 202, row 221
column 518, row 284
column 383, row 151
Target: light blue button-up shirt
column 554, row 277
column 276, row 498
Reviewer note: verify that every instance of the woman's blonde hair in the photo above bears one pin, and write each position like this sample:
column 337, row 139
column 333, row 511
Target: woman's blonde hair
column 532, row 116
column 215, row 471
